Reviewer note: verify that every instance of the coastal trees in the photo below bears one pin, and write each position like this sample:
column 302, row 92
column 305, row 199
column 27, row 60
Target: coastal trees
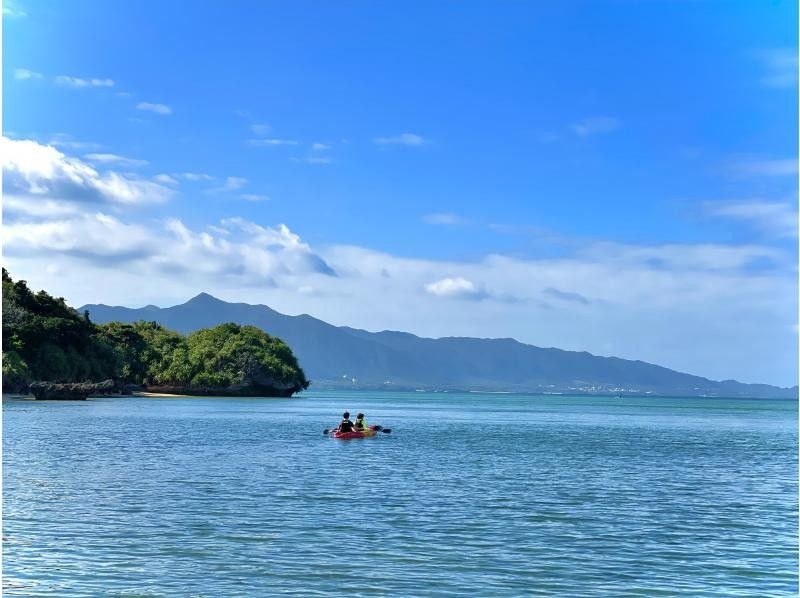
column 230, row 355
column 45, row 339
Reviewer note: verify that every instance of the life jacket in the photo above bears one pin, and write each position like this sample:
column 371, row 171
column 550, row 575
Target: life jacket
column 361, row 424
column 346, row 426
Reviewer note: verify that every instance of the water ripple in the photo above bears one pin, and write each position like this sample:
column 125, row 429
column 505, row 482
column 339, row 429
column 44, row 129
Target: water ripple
column 470, row 495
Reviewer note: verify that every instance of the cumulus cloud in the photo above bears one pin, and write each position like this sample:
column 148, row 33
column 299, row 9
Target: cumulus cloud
column 115, row 159
column 669, row 304
column 777, row 218
column 43, row 172
column 98, row 237
column 23, row 74
column 595, row 125
column 270, row 142
column 161, row 109
column 258, row 256
column 319, row 147
column 254, row 197
column 77, row 82
column 456, row 287
column 402, row 139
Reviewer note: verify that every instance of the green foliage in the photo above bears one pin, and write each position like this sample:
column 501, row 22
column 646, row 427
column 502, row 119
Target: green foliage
column 16, row 375
column 45, row 339
column 229, row 355
column 53, row 341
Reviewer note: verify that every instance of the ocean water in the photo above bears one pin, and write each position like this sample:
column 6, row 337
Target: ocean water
column 469, row 495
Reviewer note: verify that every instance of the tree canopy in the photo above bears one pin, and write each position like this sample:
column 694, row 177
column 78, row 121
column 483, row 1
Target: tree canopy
column 45, row 339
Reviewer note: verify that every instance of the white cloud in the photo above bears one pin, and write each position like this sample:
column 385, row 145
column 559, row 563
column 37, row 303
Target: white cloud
column 232, row 183
column 270, row 142
column 756, row 167
column 446, row 218
column 319, row 147
column 115, row 159
column 162, row 109
column 26, row 74
column 319, row 160
column 42, row 172
column 724, row 311
column 66, row 141
column 94, row 236
column 402, row 139
column 595, row 125
column 456, row 287
column 169, row 249
column 77, row 82
column 780, row 65
column 194, row 176
column 165, row 179
column 776, row 218
column 254, row 197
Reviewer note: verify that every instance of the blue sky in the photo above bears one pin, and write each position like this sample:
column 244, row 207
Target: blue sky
column 618, row 177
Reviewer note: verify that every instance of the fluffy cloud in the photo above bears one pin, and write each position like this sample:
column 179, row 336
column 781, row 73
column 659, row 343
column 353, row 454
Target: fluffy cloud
column 457, row 287
column 77, row 82
column 169, row 249
column 161, row 109
column 42, row 172
column 710, row 309
column 720, row 310
column 777, row 218
column 402, row 139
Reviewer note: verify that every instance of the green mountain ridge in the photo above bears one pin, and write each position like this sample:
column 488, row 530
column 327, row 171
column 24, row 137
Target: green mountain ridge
column 343, row 357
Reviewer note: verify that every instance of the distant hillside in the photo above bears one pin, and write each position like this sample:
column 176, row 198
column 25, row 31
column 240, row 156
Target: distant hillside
column 346, row 357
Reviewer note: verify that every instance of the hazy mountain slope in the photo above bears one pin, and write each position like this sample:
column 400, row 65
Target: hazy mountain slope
column 336, row 355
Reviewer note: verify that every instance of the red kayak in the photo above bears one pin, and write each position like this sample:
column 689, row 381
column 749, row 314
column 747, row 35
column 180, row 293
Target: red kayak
column 348, row 435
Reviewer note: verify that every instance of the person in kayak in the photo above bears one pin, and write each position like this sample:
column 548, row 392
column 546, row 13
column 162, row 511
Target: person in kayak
column 345, row 425
column 361, row 423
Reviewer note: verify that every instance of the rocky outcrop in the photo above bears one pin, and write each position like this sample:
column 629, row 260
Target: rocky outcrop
column 69, row 391
column 235, row 390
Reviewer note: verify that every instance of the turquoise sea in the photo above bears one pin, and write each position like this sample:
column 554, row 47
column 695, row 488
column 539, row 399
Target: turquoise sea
column 469, row 495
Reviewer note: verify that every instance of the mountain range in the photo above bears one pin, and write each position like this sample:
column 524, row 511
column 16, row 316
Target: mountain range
column 343, row 357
